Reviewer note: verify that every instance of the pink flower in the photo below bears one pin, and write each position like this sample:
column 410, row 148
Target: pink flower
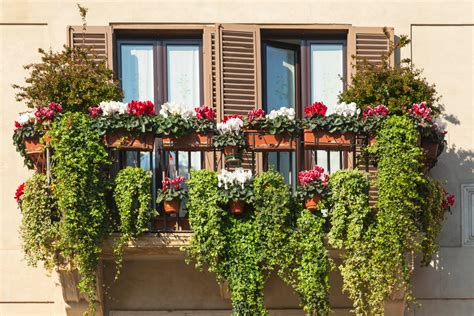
column 317, row 108
column 228, row 117
column 141, row 108
column 94, row 111
column 448, row 199
column 205, row 112
column 308, row 177
column 421, row 111
column 176, row 182
column 380, row 110
column 19, row 192
column 254, row 114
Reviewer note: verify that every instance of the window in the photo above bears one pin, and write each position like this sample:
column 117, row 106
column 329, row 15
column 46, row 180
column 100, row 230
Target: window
column 467, row 204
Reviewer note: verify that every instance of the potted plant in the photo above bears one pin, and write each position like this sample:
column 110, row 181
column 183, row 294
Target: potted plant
column 126, row 125
column 31, row 134
column 171, row 194
column 183, row 129
column 276, row 131
column 237, row 189
column 335, row 131
column 230, row 137
column 312, row 185
column 372, row 120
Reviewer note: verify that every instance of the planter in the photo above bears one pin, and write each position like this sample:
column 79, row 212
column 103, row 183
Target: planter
column 430, row 150
column 312, row 203
column 232, row 153
column 33, row 145
column 372, row 139
column 262, row 141
column 36, row 152
column 190, row 142
column 130, row 141
column 172, row 206
column 236, row 207
column 326, row 140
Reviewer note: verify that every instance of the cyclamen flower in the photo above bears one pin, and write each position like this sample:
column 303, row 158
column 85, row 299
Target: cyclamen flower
column 380, row 110
column 448, row 199
column 255, row 114
column 230, row 125
column 345, row 109
column 317, row 108
column 205, row 112
column 24, row 119
column 228, row 117
column 238, row 177
column 95, row 111
column 141, row 108
column 109, row 108
column 169, row 108
column 176, row 182
column 47, row 113
column 308, row 177
column 289, row 113
column 19, row 192
column 421, row 111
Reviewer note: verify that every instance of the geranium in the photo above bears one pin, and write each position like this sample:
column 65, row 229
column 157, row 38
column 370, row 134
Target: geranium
column 139, row 108
column 19, row 192
column 205, row 112
column 236, row 185
column 255, row 114
column 311, row 182
column 448, row 200
column 315, row 109
column 176, row 109
column 379, row 110
column 171, row 190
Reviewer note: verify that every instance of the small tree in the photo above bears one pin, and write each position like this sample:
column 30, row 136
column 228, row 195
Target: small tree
column 396, row 87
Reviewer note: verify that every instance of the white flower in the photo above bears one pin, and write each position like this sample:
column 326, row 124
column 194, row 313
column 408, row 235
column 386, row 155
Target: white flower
column 26, row 117
column 170, row 108
column 345, row 109
column 233, row 125
column 287, row 112
column 238, row 177
column 439, row 124
column 110, row 108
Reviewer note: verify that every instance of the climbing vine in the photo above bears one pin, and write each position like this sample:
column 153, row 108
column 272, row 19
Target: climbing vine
column 79, row 185
column 133, row 200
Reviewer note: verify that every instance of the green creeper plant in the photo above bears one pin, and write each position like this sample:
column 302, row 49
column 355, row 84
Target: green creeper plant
column 132, row 197
column 40, row 222
column 80, row 185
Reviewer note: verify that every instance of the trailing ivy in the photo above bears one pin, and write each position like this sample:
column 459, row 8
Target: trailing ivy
column 133, row 200
column 39, row 223
column 79, row 185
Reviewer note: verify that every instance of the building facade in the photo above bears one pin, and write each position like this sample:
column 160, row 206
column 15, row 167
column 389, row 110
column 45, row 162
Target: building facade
column 166, row 50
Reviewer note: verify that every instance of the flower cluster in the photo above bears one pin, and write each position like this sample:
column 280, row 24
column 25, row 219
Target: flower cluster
column 346, row 110
column 176, row 109
column 24, row 119
column 379, row 110
column 315, row 109
column 255, row 114
column 139, row 108
column 311, row 182
column 288, row 113
column 205, row 112
column 109, row 108
column 19, row 192
column 239, row 177
column 47, row 113
column 176, row 182
column 421, row 111
column 448, row 200
column 230, row 124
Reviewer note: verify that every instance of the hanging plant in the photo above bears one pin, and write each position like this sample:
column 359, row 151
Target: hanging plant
column 312, row 186
column 172, row 194
column 230, row 137
column 236, row 189
column 79, row 185
column 133, row 200
column 39, row 223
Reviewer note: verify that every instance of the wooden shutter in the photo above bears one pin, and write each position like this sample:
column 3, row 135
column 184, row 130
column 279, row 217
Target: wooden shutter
column 97, row 38
column 211, row 69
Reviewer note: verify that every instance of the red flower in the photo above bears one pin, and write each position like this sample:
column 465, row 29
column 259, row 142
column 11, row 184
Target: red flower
column 17, row 125
column 421, row 111
column 176, row 182
column 94, row 111
column 141, row 108
column 254, row 114
column 380, row 110
column 19, row 192
column 55, row 107
column 307, row 177
column 448, row 199
column 47, row 113
column 228, row 117
column 317, row 108
column 205, row 112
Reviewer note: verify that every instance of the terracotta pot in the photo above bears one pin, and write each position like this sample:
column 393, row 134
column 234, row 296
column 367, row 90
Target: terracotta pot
column 33, row 145
column 36, row 152
column 130, row 141
column 190, row 142
column 232, row 152
column 326, row 140
column 372, row 140
column 263, row 141
column 236, row 207
column 430, row 150
column 312, row 203
column 172, row 206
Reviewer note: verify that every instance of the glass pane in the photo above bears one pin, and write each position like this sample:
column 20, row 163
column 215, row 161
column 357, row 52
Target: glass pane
column 281, row 79
column 326, row 73
column 137, row 72
column 183, row 86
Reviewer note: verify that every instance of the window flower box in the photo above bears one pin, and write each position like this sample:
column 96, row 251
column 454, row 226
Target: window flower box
column 129, row 141
column 190, row 142
column 327, row 140
column 261, row 141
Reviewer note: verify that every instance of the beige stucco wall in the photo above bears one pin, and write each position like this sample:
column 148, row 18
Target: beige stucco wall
column 445, row 52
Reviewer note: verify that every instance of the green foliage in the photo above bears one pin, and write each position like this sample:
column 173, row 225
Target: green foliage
column 39, row 223
column 133, row 200
column 229, row 139
column 71, row 78
column 79, row 185
column 396, row 87
column 126, row 122
column 19, row 136
column 333, row 123
column 279, row 125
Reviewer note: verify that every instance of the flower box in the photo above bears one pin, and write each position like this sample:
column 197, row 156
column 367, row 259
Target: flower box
column 130, row 141
column 33, row 145
column 326, row 140
column 190, row 142
column 262, row 141
column 35, row 150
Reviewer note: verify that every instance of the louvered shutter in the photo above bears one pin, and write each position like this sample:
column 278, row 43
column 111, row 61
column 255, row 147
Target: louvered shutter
column 211, row 69
column 97, row 38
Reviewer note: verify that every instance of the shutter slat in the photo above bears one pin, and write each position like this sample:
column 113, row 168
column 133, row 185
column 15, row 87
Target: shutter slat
column 96, row 39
